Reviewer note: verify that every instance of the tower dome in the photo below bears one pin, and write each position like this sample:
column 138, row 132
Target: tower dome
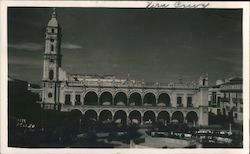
column 53, row 21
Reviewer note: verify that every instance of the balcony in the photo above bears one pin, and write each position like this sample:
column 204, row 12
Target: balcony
column 179, row 105
column 78, row 103
column 68, row 103
column 225, row 100
column 238, row 100
column 129, row 108
column 190, row 105
column 234, row 109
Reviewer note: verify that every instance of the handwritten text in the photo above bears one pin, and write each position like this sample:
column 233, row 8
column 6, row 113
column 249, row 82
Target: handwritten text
column 178, row 4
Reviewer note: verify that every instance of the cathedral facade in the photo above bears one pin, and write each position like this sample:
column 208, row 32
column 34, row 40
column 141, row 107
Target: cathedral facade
column 109, row 98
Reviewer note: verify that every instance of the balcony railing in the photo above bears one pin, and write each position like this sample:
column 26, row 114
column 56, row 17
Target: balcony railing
column 190, row 105
column 125, row 107
column 78, row 103
column 129, row 84
column 225, row 100
column 179, row 105
column 238, row 100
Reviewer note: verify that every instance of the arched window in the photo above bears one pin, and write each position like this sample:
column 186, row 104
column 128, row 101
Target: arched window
column 52, row 47
column 164, row 100
column 135, row 99
column 149, row 99
column 203, row 82
column 51, row 74
column 91, row 98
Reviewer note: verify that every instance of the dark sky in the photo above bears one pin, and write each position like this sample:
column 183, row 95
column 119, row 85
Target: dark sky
column 151, row 44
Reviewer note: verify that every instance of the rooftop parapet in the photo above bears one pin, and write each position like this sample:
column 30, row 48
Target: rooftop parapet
column 128, row 83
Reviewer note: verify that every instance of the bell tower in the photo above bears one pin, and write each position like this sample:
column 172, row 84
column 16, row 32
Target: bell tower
column 52, row 55
column 52, row 60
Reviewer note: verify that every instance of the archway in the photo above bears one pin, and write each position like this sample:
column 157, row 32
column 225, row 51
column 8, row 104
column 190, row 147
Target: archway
column 135, row 116
column 164, row 100
column 106, row 98
column 121, row 99
column 178, row 116
column 149, row 117
column 90, row 120
column 90, row 115
column 91, row 98
column 105, row 116
column 192, row 117
column 163, row 117
column 135, row 99
column 149, row 99
column 75, row 120
column 120, row 117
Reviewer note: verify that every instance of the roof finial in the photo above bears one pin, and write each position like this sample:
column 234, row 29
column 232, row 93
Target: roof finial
column 54, row 13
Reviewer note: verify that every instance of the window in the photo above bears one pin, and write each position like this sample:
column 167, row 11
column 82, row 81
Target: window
column 49, row 94
column 214, row 98
column 235, row 115
column 52, row 60
column 51, row 74
column 189, row 102
column 224, row 111
column 52, row 47
column 179, row 102
column 241, row 109
column 52, row 40
column 67, row 99
column 52, row 30
column 218, row 101
column 203, row 82
column 78, row 100
column 218, row 112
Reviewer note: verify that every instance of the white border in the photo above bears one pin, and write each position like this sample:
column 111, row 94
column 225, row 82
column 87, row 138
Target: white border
column 121, row 4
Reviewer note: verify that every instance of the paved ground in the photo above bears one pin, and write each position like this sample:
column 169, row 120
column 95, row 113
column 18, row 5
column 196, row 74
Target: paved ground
column 152, row 142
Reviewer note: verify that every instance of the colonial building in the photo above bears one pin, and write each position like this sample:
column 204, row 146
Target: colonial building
column 109, row 98
column 225, row 98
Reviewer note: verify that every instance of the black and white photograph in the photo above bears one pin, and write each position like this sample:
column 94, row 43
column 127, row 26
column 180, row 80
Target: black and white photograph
column 125, row 78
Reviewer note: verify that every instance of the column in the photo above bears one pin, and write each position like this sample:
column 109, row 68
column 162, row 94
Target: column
column 127, row 100
column 97, row 117
column 156, row 101
column 142, row 119
column 184, row 115
column 184, row 101
column 98, row 100
column 73, row 96
column 173, row 100
column 127, row 120
column 113, row 100
column 82, row 99
column 112, row 116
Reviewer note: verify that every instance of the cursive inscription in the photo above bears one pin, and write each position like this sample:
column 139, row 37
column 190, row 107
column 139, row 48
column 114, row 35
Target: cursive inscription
column 177, row 4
